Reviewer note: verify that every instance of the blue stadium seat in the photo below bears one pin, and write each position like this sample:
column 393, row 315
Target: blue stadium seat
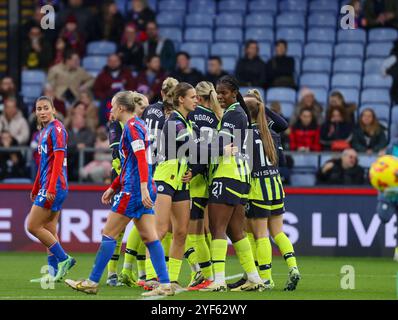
column 170, row 19
column 382, row 34
column 394, row 123
column 321, row 95
column 199, row 63
column 376, row 81
column 317, row 49
column 295, row 49
column 265, row 49
column 281, row 95
column 244, row 90
column 287, row 109
column 297, row 67
column 225, row 49
column 228, row 63
column 382, row 111
column 229, row 34
column 373, row 65
column 101, row 48
column 354, row 50
column 321, row 35
column 172, row 5
column 293, row 5
column 351, row 95
column 347, row 65
column 324, row 5
column 198, row 20
column 346, row 80
column 315, row 80
column 305, row 162
column 229, row 20
column 375, row 96
column 198, row 34
column 268, row 6
column 174, row 34
column 33, row 77
column 357, row 35
column 366, row 160
column 205, row 7
column 94, row 63
column 232, row 6
column 322, row 19
column 16, row 180
column 195, row 48
column 317, row 65
column 326, row 157
column 303, row 179
column 259, row 20
column 153, row 4
column 31, row 92
column 291, row 34
column 259, row 34
column 290, row 19
column 378, row 49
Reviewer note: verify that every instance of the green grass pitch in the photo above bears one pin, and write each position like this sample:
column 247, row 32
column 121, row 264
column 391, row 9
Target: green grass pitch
column 375, row 278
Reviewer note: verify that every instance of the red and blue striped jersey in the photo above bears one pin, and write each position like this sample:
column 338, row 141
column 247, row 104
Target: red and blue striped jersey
column 134, row 139
column 52, row 138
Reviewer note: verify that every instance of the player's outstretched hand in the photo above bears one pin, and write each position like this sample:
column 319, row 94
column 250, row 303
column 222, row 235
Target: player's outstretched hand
column 187, row 176
column 145, row 197
column 107, row 196
column 50, row 196
column 230, row 150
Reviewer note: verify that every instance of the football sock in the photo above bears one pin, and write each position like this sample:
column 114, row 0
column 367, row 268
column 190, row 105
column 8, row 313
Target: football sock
column 264, row 257
column 252, row 241
column 157, row 257
column 58, row 252
column 286, row 249
column 52, row 264
column 208, row 239
column 150, row 271
column 174, row 269
column 190, row 253
column 104, row 254
column 166, row 243
column 112, row 265
column 130, row 256
column 244, row 253
column 203, row 254
column 218, row 251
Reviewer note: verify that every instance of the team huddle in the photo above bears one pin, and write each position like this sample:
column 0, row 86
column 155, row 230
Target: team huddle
column 192, row 170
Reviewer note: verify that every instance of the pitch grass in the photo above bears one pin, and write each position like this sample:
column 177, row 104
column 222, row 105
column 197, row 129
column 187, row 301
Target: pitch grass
column 375, row 278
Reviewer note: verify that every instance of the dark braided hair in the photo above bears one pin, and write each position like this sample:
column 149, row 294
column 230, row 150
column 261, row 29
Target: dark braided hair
column 232, row 83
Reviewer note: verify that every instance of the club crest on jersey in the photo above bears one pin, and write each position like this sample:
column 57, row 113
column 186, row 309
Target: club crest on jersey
column 59, row 129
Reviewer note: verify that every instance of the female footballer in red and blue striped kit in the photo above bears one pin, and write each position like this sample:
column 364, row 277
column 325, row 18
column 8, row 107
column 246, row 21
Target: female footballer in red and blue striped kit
column 134, row 201
column 50, row 188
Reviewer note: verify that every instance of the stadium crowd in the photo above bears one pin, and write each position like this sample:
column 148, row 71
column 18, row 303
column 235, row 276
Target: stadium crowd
column 144, row 59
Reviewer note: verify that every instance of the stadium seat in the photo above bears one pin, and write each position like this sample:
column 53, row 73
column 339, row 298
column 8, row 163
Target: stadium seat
column 268, row 6
column 153, row 4
column 205, row 7
column 326, row 157
column 225, row 49
column 350, row 36
column 232, row 6
column 354, row 50
column 323, row 5
column 321, row 95
column 366, row 160
column 265, row 49
column 16, row 180
column 287, row 109
column 373, row 65
column 351, row 95
column 198, row 34
column 259, row 20
column 376, row 81
column 291, row 34
column 295, row 49
column 317, row 49
column 305, row 162
column 394, row 123
column 101, row 48
column 290, row 19
column 281, row 95
column 228, row 63
column 172, row 5
column 174, row 34
column 293, row 5
column 317, row 65
column 315, row 80
column 198, row 20
column 378, row 49
column 346, row 80
column 30, row 92
column 259, row 34
column 170, row 19
column 229, row 34
column 195, row 48
column 303, row 179
column 95, row 63
column 347, row 65
column 322, row 19
column 33, row 77
column 244, row 90
column 229, row 20
column 321, row 35
column 199, row 63
column 375, row 96
column 382, row 34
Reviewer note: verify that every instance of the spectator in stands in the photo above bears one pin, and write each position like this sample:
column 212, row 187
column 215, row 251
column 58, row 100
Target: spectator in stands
column 69, row 79
column 342, row 171
column 184, row 72
column 337, row 130
column 131, row 50
column 305, row 133
column 108, row 24
column 113, row 78
column 58, row 104
column 35, row 21
column 149, row 81
column 308, row 101
column 76, row 9
column 381, row 13
column 390, row 67
column 8, row 90
column 214, row 70
column 14, row 122
column 360, row 21
column 275, row 106
column 11, row 163
column 250, row 70
column 37, row 52
column 72, row 37
column 160, row 46
column 280, row 68
column 369, row 135
column 336, row 99
column 79, row 137
column 61, row 47
column 92, row 119
column 141, row 15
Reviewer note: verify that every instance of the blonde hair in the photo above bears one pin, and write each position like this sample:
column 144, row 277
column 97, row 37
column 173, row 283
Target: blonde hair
column 168, row 87
column 128, row 99
column 255, row 94
column 206, row 90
